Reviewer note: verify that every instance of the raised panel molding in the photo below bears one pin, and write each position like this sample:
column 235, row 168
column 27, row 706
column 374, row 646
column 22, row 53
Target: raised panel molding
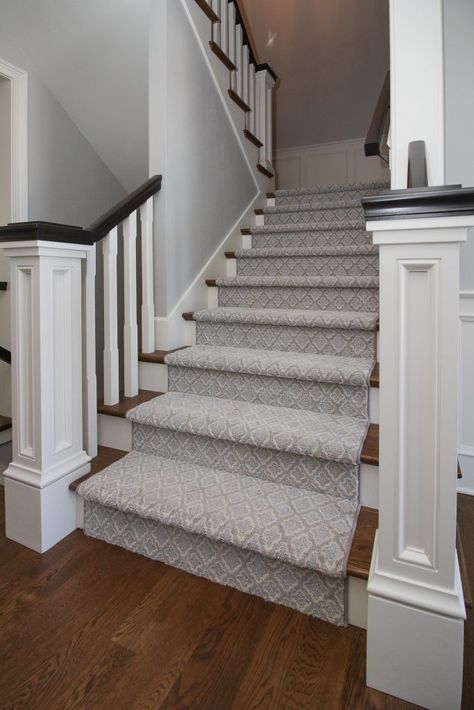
column 466, row 392
column 339, row 162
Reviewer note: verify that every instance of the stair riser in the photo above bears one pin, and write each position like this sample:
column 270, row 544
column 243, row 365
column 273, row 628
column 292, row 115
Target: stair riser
column 309, row 266
column 352, row 214
column 332, row 299
column 276, row 391
column 306, row 590
column 324, row 198
column 327, row 341
column 286, row 240
column 307, row 473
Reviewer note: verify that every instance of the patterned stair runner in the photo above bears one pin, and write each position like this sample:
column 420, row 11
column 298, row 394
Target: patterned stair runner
column 247, row 471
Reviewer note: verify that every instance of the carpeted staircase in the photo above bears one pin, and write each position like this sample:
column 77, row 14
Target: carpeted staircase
column 247, row 471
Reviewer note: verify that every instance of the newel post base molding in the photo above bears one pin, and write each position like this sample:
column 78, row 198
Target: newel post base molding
column 48, row 452
column 416, row 606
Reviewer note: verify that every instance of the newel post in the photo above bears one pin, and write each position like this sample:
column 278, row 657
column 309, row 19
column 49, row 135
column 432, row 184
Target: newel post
column 47, row 380
column 416, row 605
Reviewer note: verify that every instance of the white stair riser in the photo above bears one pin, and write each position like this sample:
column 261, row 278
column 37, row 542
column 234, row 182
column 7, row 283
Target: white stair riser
column 369, row 485
column 153, row 376
column 357, row 602
column 114, row 432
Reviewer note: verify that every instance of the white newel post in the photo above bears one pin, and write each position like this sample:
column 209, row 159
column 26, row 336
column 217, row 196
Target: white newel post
column 48, row 449
column 416, row 606
column 265, row 82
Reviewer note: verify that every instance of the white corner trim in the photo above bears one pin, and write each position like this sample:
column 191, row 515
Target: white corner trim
column 19, row 139
column 220, row 92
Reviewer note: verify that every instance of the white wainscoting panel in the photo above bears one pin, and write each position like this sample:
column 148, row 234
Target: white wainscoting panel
column 466, row 392
column 335, row 163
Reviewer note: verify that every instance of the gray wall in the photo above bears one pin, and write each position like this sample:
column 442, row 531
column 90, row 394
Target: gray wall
column 206, row 183
column 459, row 101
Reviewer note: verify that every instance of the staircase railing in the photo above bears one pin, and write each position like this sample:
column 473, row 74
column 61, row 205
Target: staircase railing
column 251, row 83
column 377, row 139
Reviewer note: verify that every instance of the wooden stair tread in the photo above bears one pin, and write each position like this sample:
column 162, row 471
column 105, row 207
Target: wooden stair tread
column 375, row 376
column 264, row 171
column 360, row 556
column 3, row 285
column 105, row 457
column 158, row 356
column 126, row 403
column 223, row 57
column 252, row 138
column 207, row 9
column 5, row 423
column 370, row 449
column 238, row 100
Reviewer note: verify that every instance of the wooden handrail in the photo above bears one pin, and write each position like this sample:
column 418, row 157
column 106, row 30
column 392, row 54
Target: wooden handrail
column 125, row 207
column 5, row 355
column 243, row 20
column 378, row 129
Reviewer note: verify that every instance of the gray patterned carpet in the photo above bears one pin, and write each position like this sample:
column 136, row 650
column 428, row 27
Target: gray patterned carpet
column 246, row 471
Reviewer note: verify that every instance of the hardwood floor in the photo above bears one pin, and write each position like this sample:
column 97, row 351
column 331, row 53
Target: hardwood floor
column 88, row 625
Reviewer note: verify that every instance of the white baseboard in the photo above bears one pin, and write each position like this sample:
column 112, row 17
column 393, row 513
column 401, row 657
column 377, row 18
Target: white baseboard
column 339, row 162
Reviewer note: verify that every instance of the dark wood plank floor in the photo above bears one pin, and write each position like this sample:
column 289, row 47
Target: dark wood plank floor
column 88, row 625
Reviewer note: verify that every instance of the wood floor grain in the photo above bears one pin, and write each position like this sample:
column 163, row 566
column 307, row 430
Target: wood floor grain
column 91, row 626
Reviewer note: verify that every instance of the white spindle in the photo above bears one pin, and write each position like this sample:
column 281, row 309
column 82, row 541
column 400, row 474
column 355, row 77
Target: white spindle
column 238, row 59
column 216, row 27
column 224, row 38
column 130, row 328
column 264, row 115
column 231, row 34
column 245, row 73
column 90, row 379
column 148, row 306
column 251, row 101
column 111, row 353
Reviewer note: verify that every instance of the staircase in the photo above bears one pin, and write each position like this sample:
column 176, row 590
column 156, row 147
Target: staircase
column 247, row 471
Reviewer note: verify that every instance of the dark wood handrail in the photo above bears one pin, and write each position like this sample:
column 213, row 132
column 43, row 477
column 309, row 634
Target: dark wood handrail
column 125, row 207
column 243, row 21
column 417, row 169
column 5, row 355
column 378, row 129
column 52, row 232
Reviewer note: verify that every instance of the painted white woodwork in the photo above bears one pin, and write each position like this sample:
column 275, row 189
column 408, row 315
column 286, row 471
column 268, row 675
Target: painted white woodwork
column 47, row 383
column 224, row 36
column 216, row 26
column 369, row 485
column 212, row 297
column 264, row 98
column 251, row 98
column 89, row 348
column 153, row 376
column 111, row 351
column 415, row 593
column 337, row 163
column 114, row 432
column 357, row 602
column 231, row 19
column 239, row 39
column 416, row 86
column 19, row 140
column 130, row 328
column 466, row 392
column 245, row 73
column 148, row 305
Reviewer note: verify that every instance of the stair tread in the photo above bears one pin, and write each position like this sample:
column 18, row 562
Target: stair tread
column 126, row 403
column 298, row 281
column 350, row 187
column 340, row 250
column 313, row 227
column 355, row 320
column 306, row 529
column 275, row 363
column 297, row 431
column 105, row 457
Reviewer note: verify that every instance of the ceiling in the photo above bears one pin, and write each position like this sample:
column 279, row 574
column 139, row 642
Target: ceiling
column 93, row 57
column 331, row 57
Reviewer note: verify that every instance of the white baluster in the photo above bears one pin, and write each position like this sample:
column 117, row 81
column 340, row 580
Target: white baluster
column 111, row 353
column 148, row 305
column 90, row 379
column 264, row 99
column 245, row 73
column 216, row 26
column 251, row 101
column 130, row 328
column 224, row 38
column 238, row 59
column 231, row 30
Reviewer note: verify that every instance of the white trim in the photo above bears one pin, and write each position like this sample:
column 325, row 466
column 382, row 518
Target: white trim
column 19, row 140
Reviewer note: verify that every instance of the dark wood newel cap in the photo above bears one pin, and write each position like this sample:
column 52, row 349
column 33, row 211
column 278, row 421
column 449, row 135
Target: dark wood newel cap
column 46, row 231
column 425, row 202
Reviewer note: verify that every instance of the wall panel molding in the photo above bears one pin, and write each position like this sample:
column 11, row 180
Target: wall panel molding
column 466, row 392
